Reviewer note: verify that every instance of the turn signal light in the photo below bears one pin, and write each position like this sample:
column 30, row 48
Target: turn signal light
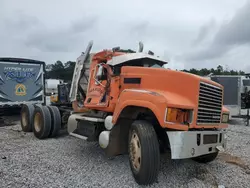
column 176, row 115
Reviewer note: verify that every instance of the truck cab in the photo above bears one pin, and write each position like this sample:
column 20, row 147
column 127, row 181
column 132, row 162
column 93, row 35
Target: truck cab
column 132, row 104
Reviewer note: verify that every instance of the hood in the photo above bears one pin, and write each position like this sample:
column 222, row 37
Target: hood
column 175, row 85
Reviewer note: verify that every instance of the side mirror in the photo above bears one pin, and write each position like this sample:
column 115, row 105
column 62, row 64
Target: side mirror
column 101, row 73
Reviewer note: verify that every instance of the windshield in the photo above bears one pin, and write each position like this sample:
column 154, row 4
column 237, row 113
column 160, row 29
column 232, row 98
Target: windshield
column 157, row 66
column 150, row 63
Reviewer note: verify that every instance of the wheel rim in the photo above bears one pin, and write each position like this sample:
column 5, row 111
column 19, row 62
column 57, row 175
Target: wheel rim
column 24, row 119
column 38, row 122
column 135, row 151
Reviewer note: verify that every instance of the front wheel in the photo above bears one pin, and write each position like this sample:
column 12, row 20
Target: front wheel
column 206, row 158
column 144, row 152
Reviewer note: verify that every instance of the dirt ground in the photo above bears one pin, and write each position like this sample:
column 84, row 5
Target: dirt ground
column 70, row 162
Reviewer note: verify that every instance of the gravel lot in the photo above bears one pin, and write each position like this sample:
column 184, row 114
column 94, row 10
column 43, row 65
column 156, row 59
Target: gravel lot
column 70, row 162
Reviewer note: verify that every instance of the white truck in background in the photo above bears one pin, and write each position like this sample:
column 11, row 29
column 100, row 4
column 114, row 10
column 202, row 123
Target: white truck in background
column 51, row 86
column 51, row 89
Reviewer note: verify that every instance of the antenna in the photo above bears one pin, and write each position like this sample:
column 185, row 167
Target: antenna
column 140, row 47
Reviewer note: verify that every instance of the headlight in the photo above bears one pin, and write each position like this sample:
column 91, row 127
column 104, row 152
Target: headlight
column 225, row 118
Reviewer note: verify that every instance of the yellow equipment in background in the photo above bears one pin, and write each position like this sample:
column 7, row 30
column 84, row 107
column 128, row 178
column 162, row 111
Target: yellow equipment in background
column 53, row 98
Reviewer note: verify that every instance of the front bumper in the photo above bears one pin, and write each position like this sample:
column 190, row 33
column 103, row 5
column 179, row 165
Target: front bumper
column 188, row 144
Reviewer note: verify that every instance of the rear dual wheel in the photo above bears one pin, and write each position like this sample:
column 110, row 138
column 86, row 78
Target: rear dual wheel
column 41, row 122
column 55, row 121
column 46, row 122
column 27, row 112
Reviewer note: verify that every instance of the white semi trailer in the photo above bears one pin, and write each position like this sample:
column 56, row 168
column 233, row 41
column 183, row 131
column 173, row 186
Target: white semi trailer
column 234, row 88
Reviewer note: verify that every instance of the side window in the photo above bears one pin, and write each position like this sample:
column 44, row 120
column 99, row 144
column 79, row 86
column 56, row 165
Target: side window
column 246, row 82
column 117, row 70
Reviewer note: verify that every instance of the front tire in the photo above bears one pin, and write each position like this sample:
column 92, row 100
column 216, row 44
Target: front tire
column 206, row 158
column 144, row 152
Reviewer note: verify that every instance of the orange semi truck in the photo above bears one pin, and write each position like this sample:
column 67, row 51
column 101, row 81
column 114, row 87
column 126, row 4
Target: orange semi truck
column 132, row 105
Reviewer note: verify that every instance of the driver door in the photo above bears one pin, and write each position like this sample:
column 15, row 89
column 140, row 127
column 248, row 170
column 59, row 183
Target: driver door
column 97, row 95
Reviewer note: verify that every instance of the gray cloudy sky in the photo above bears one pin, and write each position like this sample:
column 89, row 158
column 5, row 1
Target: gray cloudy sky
column 190, row 33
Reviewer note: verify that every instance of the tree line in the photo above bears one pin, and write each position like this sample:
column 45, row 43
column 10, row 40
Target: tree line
column 64, row 71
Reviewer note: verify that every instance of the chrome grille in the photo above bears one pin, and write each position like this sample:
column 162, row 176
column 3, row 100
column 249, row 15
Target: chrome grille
column 210, row 104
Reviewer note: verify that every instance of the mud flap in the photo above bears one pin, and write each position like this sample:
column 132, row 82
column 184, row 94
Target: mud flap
column 118, row 141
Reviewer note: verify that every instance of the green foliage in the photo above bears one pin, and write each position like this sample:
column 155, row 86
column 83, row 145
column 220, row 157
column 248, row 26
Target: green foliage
column 58, row 70
column 218, row 71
